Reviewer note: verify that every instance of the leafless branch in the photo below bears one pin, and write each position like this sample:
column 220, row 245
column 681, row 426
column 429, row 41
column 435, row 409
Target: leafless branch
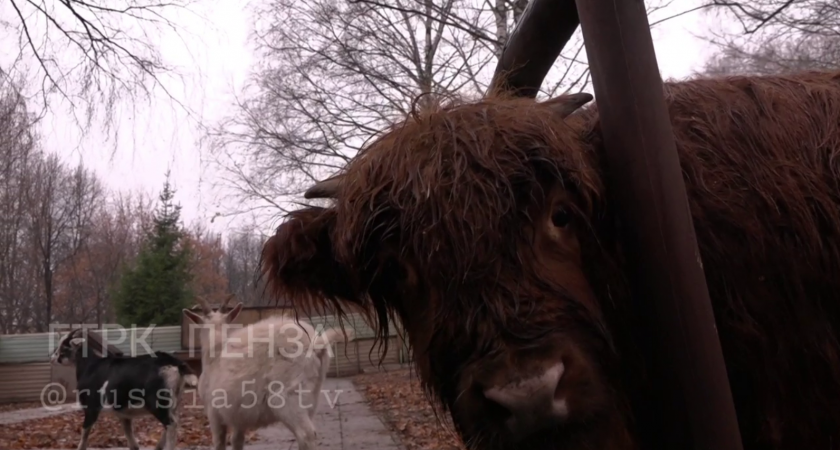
column 776, row 36
column 90, row 53
column 333, row 75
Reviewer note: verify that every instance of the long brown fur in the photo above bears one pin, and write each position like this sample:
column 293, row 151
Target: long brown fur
column 449, row 190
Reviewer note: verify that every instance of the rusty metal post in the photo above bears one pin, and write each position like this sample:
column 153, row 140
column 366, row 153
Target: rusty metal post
column 695, row 406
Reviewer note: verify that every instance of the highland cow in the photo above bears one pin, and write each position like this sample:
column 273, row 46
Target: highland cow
column 487, row 229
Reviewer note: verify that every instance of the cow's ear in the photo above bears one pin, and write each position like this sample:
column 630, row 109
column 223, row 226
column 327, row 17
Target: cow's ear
column 299, row 263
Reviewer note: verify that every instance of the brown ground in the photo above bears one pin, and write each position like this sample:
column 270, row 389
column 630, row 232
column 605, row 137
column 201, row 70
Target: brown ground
column 64, row 430
column 396, row 396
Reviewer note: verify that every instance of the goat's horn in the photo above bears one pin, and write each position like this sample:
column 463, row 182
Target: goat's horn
column 325, row 189
column 227, row 300
column 204, row 306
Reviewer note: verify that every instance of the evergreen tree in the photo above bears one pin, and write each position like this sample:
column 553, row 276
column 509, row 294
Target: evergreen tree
column 156, row 289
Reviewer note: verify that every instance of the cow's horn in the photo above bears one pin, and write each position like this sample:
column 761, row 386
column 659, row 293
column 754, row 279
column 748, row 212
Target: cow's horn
column 541, row 32
column 564, row 105
column 325, row 189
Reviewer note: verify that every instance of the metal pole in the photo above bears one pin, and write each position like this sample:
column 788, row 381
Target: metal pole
column 645, row 179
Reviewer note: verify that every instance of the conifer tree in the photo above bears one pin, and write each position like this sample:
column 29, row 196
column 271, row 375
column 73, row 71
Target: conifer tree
column 156, row 288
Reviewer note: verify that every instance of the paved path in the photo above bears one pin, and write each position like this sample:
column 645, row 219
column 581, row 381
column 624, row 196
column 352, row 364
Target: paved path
column 22, row 415
column 346, row 424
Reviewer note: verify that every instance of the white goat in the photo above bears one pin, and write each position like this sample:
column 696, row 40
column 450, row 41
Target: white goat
column 270, row 371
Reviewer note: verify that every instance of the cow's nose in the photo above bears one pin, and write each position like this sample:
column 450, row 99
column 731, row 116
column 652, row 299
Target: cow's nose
column 532, row 402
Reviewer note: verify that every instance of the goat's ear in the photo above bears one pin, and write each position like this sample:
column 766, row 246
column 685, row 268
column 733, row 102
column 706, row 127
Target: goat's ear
column 565, row 105
column 299, row 264
column 195, row 318
column 231, row 315
column 75, row 342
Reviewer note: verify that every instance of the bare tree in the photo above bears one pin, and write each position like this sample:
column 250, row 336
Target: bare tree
column 89, row 53
column 112, row 241
column 776, row 36
column 241, row 263
column 206, row 263
column 18, row 155
column 333, row 74
column 61, row 243
column 62, row 202
column 64, row 240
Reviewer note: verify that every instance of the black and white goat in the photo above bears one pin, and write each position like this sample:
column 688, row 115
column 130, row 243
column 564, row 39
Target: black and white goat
column 127, row 386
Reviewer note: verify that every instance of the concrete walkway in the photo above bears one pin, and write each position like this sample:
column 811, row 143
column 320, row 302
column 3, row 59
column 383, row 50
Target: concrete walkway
column 22, row 415
column 344, row 422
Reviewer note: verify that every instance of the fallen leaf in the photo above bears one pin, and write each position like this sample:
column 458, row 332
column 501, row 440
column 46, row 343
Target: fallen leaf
column 65, row 430
column 397, row 397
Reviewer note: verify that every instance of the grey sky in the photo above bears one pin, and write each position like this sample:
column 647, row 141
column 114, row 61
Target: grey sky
column 215, row 58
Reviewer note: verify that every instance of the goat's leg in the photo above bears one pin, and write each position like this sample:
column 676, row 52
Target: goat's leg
column 218, row 430
column 168, row 417
column 91, row 414
column 238, row 439
column 304, row 431
column 161, row 441
column 171, row 432
column 129, row 434
column 84, row 441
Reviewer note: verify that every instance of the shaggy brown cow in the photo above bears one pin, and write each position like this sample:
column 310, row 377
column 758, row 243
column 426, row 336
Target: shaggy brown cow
column 487, row 228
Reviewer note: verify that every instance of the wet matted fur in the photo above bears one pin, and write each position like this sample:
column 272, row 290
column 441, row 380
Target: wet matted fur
column 445, row 199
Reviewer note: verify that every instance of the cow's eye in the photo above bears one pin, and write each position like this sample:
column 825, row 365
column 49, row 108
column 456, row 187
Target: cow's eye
column 561, row 217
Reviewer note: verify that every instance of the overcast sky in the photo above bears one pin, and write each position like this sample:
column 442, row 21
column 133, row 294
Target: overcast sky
column 215, row 58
